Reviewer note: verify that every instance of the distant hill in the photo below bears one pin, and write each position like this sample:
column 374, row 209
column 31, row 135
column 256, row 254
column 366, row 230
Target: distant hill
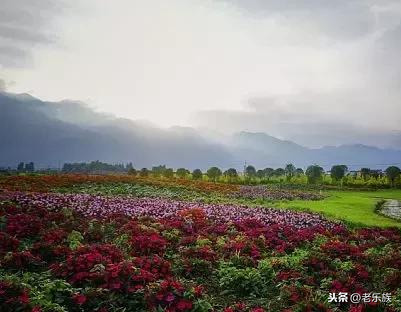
column 51, row 133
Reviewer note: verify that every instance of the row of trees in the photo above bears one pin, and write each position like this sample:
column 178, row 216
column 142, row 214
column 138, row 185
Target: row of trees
column 338, row 172
column 314, row 174
column 95, row 166
column 26, row 167
column 213, row 173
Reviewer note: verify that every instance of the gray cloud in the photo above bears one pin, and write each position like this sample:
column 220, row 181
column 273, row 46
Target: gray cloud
column 367, row 109
column 23, row 25
column 341, row 19
column 2, row 85
column 315, row 119
column 336, row 62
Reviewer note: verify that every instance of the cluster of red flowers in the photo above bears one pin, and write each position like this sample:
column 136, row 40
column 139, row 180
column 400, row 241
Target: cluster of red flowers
column 242, row 307
column 170, row 296
column 173, row 264
column 44, row 183
column 15, row 298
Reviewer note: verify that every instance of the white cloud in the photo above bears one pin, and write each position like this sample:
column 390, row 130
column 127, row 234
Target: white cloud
column 166, row 61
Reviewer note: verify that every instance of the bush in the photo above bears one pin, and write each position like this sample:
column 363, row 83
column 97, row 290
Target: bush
column 248, row 281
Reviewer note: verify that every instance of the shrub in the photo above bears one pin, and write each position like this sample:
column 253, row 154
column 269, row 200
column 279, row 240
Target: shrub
column 248, row 281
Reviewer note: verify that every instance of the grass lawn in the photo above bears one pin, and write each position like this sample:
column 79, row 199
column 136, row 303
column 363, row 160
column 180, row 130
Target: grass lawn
column 353, row 207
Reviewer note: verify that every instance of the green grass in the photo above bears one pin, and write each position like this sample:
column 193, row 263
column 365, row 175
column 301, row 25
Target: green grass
column 353, row 207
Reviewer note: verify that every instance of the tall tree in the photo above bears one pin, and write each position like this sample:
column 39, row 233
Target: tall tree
column 144, row 172
column 132, row 171
column 260, row 174
column 289, row 171
column 337, row 172
column 182, row 172
column 158, row 171
column 365, row 173
column 269, row 172
column 314, row 174
column 393, row 173
column 168, row 173
column 197, row 174
column 279, row 172
column 250, row 171
column 30, row 167
column 20, row 167
column 231, row 174
column 299, row 171
column 213, row 173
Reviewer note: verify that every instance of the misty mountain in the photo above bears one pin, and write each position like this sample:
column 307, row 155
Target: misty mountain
column 51, row 133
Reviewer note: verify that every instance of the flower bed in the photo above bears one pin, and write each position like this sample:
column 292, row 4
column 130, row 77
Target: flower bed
column 262, row 192
column 148, row 255
column 44, row 183
column 103, row 206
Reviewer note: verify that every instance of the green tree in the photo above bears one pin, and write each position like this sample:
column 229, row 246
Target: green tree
column 168, row 173
column 269, row 172
column 213, row 173
column 132, row 171
column 299, row 171
column 20, row 167
column 279, row 172
column 158, row 171
column 231, row 174
column 144, row 172
column 314, row 174
column 260, row 174
column 30, row 167
column 392, row 173
column 182, row 172
column 197, row 174
column 289, row 171
column 250, row 171
column 365, row 173
column 375, row 174
column 337, row 172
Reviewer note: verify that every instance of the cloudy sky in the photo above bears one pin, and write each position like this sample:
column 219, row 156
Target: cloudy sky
column 317, row 72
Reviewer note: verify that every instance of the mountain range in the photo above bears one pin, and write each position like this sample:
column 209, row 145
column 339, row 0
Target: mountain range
column 51, row 133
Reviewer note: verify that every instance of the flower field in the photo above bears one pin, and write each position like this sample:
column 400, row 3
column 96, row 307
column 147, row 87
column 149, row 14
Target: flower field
column 96, row 248
column 149, row 187
column 261, row 192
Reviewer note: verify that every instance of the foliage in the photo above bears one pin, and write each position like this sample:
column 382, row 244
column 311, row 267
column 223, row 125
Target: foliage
column 250, row 171
column 392, row 173
column 314, row 174
column 95, row 166
column 213, row 173
column 197, row 174
column 144, row 172
column 182, row 172
column 289, row 171
column 132, row 172
column 338, row 172
column 193, row 259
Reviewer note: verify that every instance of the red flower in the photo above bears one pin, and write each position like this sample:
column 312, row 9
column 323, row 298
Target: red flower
column 79, row 299
column 24, row 298
column 358, row 308
column 184, row 305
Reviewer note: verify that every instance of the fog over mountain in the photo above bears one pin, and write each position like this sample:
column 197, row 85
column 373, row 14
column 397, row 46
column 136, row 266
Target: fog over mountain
column 314, row 72
column 51, row 133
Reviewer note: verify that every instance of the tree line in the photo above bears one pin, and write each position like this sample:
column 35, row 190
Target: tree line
column 314, row 174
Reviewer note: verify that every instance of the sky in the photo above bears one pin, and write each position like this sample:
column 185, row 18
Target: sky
column 316, row 72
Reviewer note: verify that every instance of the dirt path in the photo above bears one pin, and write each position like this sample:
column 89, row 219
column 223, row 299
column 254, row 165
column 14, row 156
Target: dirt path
column 392, row 209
